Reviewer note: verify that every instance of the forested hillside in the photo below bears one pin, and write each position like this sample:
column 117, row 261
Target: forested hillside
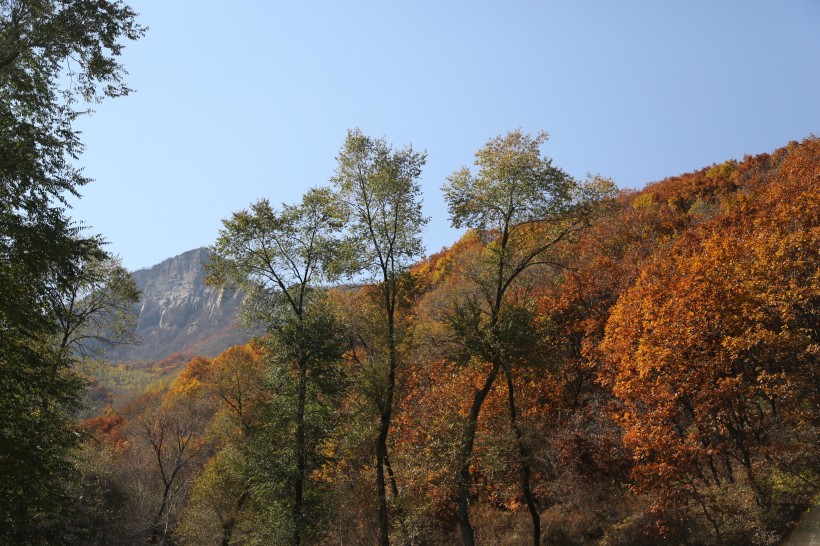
column 581, row 367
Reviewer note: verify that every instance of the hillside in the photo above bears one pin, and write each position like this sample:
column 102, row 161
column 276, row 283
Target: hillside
column 651, row 380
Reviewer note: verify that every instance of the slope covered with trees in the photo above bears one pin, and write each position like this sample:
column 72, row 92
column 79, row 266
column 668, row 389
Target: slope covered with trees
column 584, row 366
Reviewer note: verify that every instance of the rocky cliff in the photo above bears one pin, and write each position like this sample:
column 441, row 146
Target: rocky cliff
column 178, row 313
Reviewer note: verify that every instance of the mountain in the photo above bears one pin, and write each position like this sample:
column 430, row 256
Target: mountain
column 178, row 313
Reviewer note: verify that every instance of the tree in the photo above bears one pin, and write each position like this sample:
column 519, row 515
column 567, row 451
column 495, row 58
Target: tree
column 218, row 504
column 53, row 55
column 236, row 380
column 523, row 207
column 172, row 432
column 279, row 259
column 95, row 306
column 36, row 440
column 378, row 188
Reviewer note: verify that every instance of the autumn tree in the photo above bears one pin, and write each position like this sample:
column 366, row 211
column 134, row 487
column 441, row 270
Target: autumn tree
column 279, row 259
column 378, row 189
column 173, row 435
column 523, row 206
column 101, row 496
column 159, row 443
column 574, row 438
column 236, row 381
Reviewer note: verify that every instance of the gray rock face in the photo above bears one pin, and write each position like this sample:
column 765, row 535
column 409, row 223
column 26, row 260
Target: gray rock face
column 178, row 313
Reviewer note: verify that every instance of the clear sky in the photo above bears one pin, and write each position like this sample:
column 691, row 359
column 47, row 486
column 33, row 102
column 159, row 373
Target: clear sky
column 241, row 100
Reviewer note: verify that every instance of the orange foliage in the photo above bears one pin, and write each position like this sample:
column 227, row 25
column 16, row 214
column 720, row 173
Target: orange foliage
column 107, row 427
column 713, row 353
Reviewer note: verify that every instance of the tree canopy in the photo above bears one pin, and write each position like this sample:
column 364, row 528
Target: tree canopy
column 55, row 59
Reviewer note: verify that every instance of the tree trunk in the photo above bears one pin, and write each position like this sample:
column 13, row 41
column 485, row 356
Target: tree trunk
column 227, row 531
column 384, row 524
column 384, row 428
column 298, row 485
column 467, row 534
column 393, row 485
column 158, row 517
column 228, row 526
column 523, row 461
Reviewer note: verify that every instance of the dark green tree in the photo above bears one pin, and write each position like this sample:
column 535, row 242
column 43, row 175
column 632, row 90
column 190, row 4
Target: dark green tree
column 55, row 57
column 378, row 190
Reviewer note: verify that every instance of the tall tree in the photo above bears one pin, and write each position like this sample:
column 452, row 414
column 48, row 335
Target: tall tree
column 54, row 55
column 378, row 188
column 523, row 207
column 279, row 259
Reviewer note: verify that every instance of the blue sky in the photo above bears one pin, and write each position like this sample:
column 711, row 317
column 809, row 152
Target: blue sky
column 249, row 99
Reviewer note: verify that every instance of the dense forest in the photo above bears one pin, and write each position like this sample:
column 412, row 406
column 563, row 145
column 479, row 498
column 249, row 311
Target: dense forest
column 647, row 375
column 584, row 366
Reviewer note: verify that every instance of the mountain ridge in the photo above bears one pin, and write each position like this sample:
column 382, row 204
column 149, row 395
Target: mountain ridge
column 179, row 314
